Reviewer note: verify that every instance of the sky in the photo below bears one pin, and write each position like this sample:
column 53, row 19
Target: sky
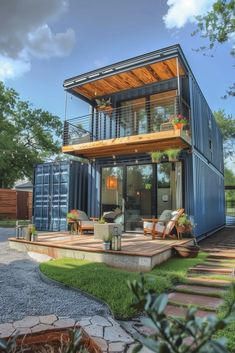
column 44, row 42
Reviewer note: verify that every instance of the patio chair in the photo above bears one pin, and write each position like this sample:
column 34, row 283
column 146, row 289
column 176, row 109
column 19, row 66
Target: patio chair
column 85, row 223
column 164, row 225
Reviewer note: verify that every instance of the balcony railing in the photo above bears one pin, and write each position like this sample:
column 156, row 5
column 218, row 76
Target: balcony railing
column 128, row 120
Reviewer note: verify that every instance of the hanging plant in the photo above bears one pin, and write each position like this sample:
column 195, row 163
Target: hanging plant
column 104, row 105
column 173, row 154
column 156, row 156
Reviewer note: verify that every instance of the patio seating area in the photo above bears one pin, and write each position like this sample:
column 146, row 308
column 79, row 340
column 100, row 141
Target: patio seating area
column 138, row 252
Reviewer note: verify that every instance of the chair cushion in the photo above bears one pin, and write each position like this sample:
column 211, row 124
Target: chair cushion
column 82, row 216
column 159, row 228
column 87, row 223
column 148, row 225
column 165, row 216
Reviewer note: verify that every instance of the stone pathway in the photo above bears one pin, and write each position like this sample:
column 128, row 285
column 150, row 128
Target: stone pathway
column 106, row 332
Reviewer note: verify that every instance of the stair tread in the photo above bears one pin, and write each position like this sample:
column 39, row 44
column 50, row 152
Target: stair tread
column 195, row 299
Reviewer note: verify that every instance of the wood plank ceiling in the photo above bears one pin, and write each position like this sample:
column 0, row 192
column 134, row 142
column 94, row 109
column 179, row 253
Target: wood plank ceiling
column 163, row 70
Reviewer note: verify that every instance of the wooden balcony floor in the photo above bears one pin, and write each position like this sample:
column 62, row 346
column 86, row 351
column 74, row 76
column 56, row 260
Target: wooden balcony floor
column 131, row 144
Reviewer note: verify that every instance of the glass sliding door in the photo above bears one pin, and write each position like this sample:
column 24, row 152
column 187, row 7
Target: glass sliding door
column 140, row 191
column 161, row 108
column 133, row 119
column 111, row 189
column 138, row 200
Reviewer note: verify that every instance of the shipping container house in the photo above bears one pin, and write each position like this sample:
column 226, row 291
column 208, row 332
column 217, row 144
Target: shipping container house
column 132, row 106
column 58, row 188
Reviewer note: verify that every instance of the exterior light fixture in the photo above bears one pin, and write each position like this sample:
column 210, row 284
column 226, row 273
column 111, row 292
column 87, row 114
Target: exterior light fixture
column 111, row 182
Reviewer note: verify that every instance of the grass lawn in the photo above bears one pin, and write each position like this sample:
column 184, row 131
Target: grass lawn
column 110, row 284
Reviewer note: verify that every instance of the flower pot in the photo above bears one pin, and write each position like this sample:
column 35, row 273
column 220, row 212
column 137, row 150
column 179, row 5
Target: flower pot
column 178, row 126
column 186, row 251
column 106, row 245
column 105, row 109
column 106, row 231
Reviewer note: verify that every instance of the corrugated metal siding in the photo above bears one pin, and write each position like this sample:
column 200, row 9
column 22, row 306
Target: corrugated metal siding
column 146, row 90
column 58, row 188
column 204, row 128
column 209, row 206
column 93, row 190
column 188, row 185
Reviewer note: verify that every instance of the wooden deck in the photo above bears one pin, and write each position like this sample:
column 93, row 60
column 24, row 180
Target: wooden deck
column 139, row 252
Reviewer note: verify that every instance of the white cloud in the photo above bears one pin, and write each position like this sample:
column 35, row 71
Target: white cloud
column 24, row 32
column 181, row 12
column 11, row 68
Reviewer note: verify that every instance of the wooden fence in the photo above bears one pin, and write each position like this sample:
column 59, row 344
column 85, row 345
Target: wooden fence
column 15, row 204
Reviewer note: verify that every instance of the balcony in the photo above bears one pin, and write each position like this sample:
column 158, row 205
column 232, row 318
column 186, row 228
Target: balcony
column 134, row 127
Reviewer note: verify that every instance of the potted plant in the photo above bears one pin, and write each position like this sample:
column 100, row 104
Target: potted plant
column 173, row 154
column 72, row 220
column 72, row 216
column 104, row 105
column 184, row 224
column 179, row 121
column 156, row 156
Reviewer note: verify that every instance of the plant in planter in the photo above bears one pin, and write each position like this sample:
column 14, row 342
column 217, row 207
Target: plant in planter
column 156, row 156
column 184, row 224
column 72, row 216
column 179, row 121
column 173, row 154
column 104, row 105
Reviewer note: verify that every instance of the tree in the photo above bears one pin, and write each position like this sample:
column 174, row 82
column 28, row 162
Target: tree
column 218, row 26
column 27, row 136
column 227, row 127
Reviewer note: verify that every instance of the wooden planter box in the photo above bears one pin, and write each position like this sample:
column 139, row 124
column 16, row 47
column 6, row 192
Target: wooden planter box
column 51, row 341
column 106, row 231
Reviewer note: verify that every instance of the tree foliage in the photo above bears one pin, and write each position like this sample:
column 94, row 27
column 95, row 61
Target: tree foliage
column 218, row 26
column 227, row 127
column 27, row 136
column 188, row 334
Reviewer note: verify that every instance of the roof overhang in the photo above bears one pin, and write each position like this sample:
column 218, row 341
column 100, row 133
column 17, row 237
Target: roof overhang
column 140, row 71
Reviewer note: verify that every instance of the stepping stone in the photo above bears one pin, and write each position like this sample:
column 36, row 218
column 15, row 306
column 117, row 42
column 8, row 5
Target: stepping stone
column 221, row 264
column 210, row 269
column 217, row 282
column 172, row 310
column 222, row 256
column 197, row 289
column 199, row 300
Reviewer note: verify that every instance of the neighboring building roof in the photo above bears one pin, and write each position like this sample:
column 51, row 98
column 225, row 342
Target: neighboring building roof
column 159, row 65
column 27, row 186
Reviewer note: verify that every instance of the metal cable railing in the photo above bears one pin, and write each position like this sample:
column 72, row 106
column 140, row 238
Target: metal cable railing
column 125, row 120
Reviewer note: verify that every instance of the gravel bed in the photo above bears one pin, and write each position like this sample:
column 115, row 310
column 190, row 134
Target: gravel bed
column 23, row 293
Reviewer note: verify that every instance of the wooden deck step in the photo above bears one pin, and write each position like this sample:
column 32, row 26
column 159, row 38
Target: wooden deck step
column 208, row 281
column 211, row 270
column 200, row 301
column 197, row 289
column 222, row 255
column 172, row 310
